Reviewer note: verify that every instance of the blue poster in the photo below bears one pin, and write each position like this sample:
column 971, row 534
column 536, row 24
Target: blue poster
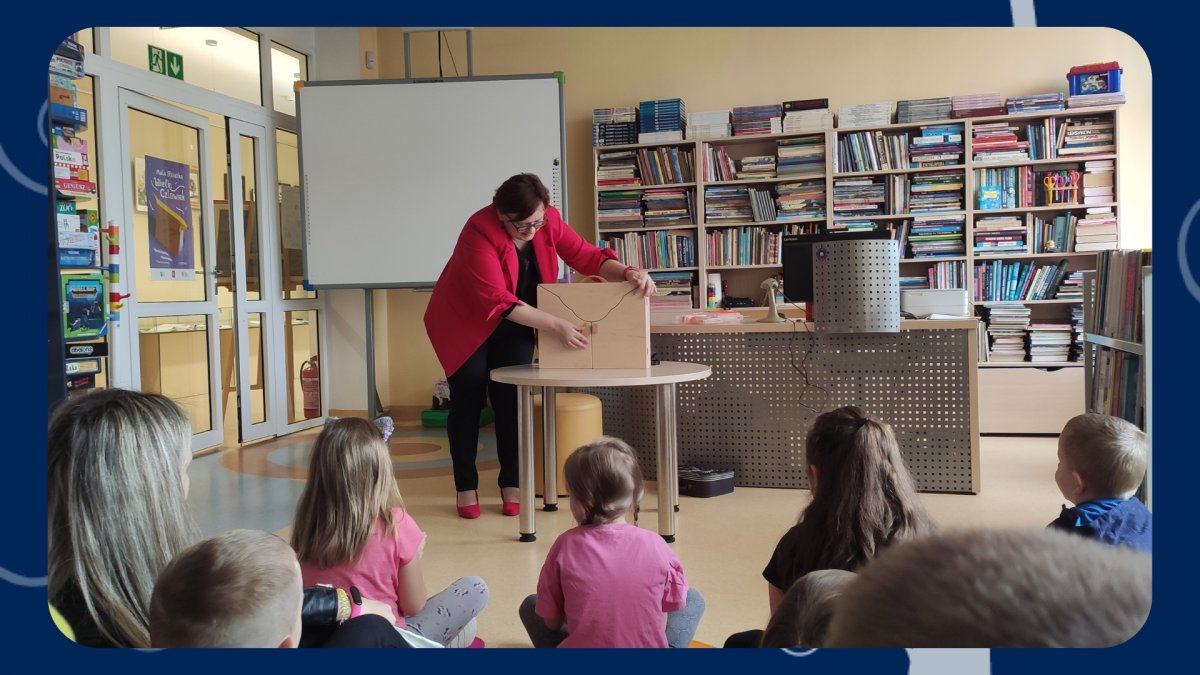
column 170, row 220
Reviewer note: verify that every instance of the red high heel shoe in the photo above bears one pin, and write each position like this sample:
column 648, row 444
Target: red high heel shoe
column 510, row 508
column 471, row 511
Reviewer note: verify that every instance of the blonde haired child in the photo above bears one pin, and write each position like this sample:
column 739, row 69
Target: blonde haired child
column 351, row 529
column 607, row 583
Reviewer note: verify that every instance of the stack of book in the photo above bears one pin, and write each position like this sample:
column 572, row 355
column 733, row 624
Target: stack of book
column 865, row 115
column 807, row 115
column 1098, row 181
column 1076, row 353
column 710, row 124
column 1035, row 103
column 1004, row 235
column 801, row 157
column 1056, row 235
column 661, row 121
column 936, row 191
column 851, row 226
column 1097, row 230
column 1049, row 342
column 923, row 110
column 1092, row 100
column 1119, row 293
column 674, row 291
column 718, row 165
column 997, row 282
column 939, row 145
column 762, row 204
column 727, row 205
column 1006, row 326
column 757, row 120
column 1087, row 136
column 664, row 165
column 914, row 283
column 858, row 197
column 617, row 168
column 744, row 246
column 620, row 209
column 757, row 167
column 805, row 199
column 670, row 207
column 976, row 105
column 660, row 249
column 937, row 236
column 1072, row 287
column 997, row 142
column 871, row 151
column 614, row 126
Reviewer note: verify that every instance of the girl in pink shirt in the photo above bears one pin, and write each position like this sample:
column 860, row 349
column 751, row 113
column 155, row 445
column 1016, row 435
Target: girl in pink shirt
column 606, row 583
column 351, row 529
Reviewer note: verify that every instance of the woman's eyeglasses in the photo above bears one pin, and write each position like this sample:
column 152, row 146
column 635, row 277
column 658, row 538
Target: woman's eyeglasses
column 527, row 226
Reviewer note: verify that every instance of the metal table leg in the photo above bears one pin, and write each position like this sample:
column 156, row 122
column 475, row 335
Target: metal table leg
column 663, row 402
column 549, row 450
column 525, row 459
column 673, row 445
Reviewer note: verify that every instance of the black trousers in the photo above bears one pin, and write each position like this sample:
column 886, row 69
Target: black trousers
column 510, row 345
column 366, row 631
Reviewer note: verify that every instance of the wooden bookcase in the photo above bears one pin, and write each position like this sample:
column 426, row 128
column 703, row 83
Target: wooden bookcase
column 1055, row 378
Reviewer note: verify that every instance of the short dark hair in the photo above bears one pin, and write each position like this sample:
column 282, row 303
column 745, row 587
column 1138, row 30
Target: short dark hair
column 604, row 477
column 520, row 196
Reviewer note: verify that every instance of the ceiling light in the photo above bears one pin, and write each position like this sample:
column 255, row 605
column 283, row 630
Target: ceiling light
column 211, row 43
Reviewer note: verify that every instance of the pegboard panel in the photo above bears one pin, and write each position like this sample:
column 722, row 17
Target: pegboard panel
column 856, row 286
column 753, row 414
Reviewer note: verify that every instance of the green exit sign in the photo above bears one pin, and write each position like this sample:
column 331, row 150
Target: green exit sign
column 164, row 62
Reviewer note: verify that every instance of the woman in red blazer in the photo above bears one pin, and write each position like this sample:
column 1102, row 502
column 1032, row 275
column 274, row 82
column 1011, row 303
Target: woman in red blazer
column 484, row 311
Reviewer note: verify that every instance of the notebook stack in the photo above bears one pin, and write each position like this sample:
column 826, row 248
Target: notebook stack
column 1006, row 326
column 1087, row 136
column 727, row 205
column 1049, row 342
column 914, row 283
column 851, row 226
column 1071, row 288
column 668, row 207
column 976, row 105
column 808, row 115
column 757, row 167
column 865, row 115
column 801, row 157
column 937, row 236
column 661, row 121
column 923, row 110
column 1076, row 353
column 805, row 199
column 1035, row 103
column 710, row 124
column 1001, row 235
column 620, row 209
column 674, row 291
column 1091, row 100
column 1098, row 181
column 858, row 197
column 936, row 191
column 614, row 126
column 757, row 120
column 617, row 168
column 938, row 145
column 1096, row 231
column 997, row 142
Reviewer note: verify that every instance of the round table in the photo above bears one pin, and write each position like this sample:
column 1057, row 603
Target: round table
column 663, row 377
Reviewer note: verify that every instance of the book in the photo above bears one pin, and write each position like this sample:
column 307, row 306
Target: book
column 805, row 104
column 865, row 114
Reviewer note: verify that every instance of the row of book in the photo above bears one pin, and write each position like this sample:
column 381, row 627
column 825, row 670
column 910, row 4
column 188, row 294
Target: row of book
column 660, row 249
column 665, row 164
column 669, row 207
column 1024, row 187
column 753, row 245
column 742, row 204
column 946, row 274
column 936, row 236
column 995, row 281
column 803, row 199
column 1119, row 302
column 1119, row 385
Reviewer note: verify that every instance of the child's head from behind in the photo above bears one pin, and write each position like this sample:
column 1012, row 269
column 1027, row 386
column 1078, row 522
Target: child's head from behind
column 604, row 481
column 1099, row 457
column 351, row 486
column 238, row 589
column 803, row 615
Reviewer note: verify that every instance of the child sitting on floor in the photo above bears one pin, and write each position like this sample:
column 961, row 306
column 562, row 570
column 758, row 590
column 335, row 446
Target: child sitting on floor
column 351, row 529
column 238, row 589
column 804, row 613
column 1101, row 463
column 607, row 583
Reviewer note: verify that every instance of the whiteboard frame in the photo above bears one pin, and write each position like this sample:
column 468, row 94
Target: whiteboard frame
column 562, row 140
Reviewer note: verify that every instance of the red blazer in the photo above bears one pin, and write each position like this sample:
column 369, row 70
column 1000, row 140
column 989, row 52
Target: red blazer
column 479, row 282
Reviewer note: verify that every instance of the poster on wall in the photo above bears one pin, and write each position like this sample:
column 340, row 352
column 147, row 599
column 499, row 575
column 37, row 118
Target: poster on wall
column 169, row 207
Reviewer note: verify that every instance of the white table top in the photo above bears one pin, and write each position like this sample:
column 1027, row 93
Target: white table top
column 666, row 372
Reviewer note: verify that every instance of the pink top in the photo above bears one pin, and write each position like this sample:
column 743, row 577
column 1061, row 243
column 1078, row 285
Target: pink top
column 612, row 583
column 377, row 575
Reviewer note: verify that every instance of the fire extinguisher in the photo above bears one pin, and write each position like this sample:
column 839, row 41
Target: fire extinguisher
column 310, row 383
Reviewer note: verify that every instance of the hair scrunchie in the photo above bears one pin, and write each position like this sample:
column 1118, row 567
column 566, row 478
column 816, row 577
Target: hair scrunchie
column 862, row 421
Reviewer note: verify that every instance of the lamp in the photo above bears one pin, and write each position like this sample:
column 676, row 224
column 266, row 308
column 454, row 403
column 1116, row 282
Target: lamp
column 856, row 286
column 771, row 286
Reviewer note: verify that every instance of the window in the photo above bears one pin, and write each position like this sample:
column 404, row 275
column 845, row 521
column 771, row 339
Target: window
column 224, row 60
column 287, row 66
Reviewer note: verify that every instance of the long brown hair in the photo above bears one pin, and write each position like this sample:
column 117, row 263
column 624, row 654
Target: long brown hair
column 605, row 479
column 864, row 496
column 350, row 488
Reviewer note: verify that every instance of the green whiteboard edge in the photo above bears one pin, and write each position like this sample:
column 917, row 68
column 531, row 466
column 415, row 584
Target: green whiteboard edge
column 560, row 76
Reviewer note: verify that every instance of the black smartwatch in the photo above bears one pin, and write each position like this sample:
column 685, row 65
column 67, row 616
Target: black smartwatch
column 356, row 598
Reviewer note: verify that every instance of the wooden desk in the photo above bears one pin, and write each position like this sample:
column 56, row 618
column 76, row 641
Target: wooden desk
column 662, row 377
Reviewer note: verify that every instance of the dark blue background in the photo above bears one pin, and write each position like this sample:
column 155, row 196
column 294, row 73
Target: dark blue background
column 1166, row 31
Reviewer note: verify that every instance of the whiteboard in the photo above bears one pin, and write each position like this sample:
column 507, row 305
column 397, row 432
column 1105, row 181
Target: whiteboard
column 391, row 171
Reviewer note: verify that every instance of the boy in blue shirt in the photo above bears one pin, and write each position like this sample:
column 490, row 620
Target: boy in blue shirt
column 1101, row 463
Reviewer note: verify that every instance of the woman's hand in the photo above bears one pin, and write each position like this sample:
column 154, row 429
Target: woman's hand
column 643, row 281
column 569, row 335
column 379, row 609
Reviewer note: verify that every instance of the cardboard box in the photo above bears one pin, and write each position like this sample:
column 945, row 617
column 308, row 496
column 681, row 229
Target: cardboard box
column 614, row 316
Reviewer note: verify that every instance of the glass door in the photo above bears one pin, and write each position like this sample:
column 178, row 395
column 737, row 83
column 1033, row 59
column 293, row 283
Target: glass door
column 168, row 208
column 242, row 241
